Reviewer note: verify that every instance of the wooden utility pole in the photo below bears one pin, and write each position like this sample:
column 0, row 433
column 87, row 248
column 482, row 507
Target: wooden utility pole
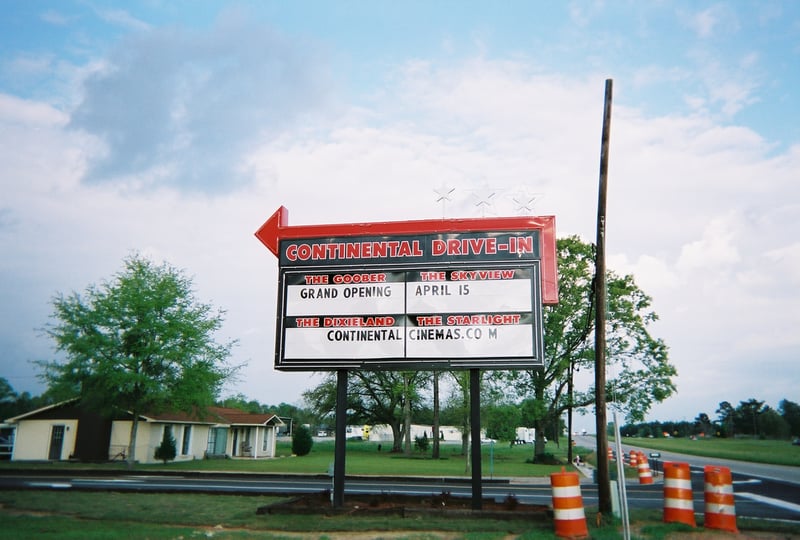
column 603, row 479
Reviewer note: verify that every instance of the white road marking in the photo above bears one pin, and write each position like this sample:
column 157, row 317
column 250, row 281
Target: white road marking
column 769, row 500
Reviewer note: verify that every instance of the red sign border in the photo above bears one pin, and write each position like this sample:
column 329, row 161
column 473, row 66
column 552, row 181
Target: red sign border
column 277, row 228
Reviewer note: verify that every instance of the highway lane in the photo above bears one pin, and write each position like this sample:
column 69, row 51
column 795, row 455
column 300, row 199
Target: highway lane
column 526, row 491
column 760, row 490
column 529, row 493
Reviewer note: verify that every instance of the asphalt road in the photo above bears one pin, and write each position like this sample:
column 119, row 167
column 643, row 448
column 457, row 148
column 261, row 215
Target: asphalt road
column 763, row 500
column 760, row 490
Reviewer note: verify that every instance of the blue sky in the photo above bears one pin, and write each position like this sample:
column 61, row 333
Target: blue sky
column 176, row 128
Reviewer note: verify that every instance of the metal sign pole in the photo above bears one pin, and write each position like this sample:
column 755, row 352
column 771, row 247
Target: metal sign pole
column 475, row 427
column 623, row 492
column 341, row 438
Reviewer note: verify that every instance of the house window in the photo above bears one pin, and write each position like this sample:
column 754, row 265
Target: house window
column 217, row 441
column 187, row 434
column 265, row 441
column 212, row 441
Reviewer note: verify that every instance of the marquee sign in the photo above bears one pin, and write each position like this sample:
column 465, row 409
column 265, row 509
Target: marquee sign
column 434, row 294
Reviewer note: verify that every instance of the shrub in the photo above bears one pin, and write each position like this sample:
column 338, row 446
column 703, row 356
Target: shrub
column 167, row 450
column 301, row 441
column 422, row 443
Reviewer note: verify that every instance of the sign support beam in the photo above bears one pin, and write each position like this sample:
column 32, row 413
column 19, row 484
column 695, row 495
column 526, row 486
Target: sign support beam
column 341, row 438
column 475, row 427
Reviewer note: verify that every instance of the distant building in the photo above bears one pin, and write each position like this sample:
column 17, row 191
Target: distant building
column 448, row 434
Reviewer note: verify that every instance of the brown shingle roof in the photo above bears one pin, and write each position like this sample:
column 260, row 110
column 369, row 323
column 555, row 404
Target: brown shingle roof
column 236, row 416
column 211, row 415
column 218, row 415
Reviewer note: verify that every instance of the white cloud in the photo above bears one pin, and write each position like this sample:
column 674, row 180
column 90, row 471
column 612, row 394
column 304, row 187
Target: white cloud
column 26, row 65
column 703, row 23
column 654, row 75
column 123, row 18
column 655, row 276
column 712, row 20
column 699, row 211
column 190, row 104
column 14, row 110
column 787, row 259
column 715, row 251
column 56, row 18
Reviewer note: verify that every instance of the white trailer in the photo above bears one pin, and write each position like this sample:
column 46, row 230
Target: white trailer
column 525, row 435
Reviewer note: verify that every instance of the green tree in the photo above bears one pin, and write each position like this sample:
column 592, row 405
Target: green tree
column 13, row 404
column 502, row 422
column 302, row 441
column 642, row 374
column 726, row 414
column 7, row 393
column 373, row 397
column 8, row 399
column 790, row 411
column 421, row 443
column 460, row 404
column 703, row 425
column 773, row 425
column 241, row 402
column 167, row 450
column 140, row 343
column 747, row 414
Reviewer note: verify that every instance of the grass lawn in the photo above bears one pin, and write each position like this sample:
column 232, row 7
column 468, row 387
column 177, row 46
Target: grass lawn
column 500, row 460
column 83, row 515
column 766, row 451
column 55, row 515
column 47, row 514
column 364, row 458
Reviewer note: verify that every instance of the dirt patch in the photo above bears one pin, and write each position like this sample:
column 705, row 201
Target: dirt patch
column 408, row 506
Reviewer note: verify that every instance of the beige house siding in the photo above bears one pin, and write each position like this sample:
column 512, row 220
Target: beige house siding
column 198, row 440
column 149, row 436
column 33, row 437
column 120, row 437
column 255, row 434
column 253, row 441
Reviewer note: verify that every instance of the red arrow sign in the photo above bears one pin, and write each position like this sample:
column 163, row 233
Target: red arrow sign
column 277, row 228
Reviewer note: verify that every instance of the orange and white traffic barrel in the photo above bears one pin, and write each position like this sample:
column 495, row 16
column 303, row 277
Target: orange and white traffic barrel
column 720, row 507
column 633, row 459
column 568, row 515
column 645, row 476
column 610, row 454
column 678, row 505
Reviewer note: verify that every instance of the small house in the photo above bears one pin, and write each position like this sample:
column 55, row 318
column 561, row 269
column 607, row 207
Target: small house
column 67, row 431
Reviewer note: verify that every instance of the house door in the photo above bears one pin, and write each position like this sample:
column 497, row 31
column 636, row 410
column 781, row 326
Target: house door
column 56, row 443
column 221, row 442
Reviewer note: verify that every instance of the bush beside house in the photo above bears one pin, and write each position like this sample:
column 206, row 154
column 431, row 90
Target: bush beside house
column 302, row 441
column 167, row 450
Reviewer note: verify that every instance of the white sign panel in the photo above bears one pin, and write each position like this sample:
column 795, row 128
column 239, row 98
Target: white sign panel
column 451, row 317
